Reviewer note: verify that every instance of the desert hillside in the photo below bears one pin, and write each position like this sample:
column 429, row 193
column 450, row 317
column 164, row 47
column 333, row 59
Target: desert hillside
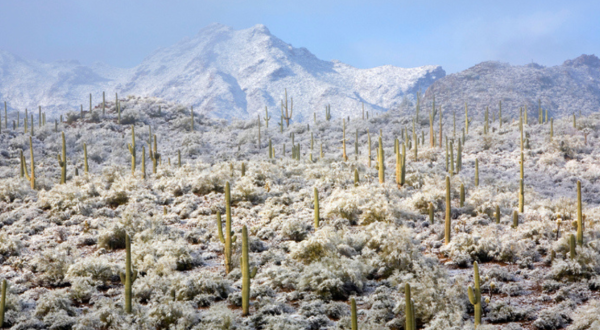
column 383, row 221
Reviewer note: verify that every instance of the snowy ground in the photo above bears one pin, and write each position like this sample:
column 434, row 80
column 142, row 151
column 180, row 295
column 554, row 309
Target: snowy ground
column 61, row 246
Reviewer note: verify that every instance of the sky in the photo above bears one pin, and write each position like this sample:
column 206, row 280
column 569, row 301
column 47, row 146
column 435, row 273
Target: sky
column 454, row 34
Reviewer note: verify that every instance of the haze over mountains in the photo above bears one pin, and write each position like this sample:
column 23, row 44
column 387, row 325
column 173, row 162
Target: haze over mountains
column 236, row 73
column 220, row 71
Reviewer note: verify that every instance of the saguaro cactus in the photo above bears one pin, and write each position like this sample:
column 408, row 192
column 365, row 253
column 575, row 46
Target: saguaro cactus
column 316, row 208
column 246, row 273
column 448, row 223
column 409, row 309
column 500, row 113
column 551, row 128
column 353, row 315
column 229, row 237
column 103, row 103
column 579, row 214
column 497, row 214
column 287, row 116
column 476, row 172
column 86, row 168
column 356, row 178
column 155, row 156
column 143, row 162
column 267, row 117
column 381, row 159
column 462, row 195
column 31, row 177
column 515, row 219
column 131, row 147
column 3, row 302
column 475, row 294
column 129, row 277
column 62, row 161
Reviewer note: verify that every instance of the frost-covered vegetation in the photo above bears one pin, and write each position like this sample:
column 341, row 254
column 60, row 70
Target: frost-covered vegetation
column 62, row 246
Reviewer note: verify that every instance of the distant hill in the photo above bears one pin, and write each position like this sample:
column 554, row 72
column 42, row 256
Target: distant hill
column 564, row 89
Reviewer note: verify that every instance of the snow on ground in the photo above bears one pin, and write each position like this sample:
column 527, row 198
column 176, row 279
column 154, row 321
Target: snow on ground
column 62, row 245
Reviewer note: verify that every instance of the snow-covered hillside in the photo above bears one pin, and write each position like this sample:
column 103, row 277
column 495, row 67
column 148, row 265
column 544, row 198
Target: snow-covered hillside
column 62, row 246
column 573, row 87
column 221, row 72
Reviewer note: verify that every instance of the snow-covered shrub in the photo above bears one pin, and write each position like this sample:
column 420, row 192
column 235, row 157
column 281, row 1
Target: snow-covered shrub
column 334, row 278
column 586, row 317
column 95, row 268
column 295, row 229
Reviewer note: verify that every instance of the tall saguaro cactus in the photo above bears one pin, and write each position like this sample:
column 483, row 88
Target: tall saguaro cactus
column 62, row 161
column 246, row 273
column 287, row 115
column 86, row 168
column 353, row 315
column 579, row 214
column 155, row 156
column 316, row 208
column 143, row 162
column 475, row 294
column 476, row 172
column 409, row 309
column 381, row 158
column 267, row 118
column 229, row 238
column 448, row 224
column 31, row 177
column 129, row 277
column 3, row 302
column 131, row 147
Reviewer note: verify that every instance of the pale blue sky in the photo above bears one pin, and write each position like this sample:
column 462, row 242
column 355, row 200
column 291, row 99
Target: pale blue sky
column 454, row 34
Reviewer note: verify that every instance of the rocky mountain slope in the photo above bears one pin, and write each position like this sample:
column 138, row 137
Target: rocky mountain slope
column 221, row 72
column 573, row 87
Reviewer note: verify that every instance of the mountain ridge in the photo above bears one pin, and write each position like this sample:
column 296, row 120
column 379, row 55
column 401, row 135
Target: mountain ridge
column 221, row 72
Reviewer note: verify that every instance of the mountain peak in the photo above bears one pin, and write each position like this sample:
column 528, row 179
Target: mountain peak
column 584, row 60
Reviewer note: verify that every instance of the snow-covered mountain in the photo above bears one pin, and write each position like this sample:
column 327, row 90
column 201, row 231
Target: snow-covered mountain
column 572, row 87
column 221, row 72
